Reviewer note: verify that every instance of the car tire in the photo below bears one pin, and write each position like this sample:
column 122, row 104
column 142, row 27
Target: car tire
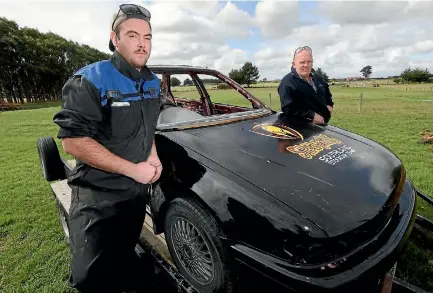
column 192, row 232
column 49, row 158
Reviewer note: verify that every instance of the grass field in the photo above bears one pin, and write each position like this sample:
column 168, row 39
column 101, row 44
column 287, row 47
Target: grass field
column 34, row 256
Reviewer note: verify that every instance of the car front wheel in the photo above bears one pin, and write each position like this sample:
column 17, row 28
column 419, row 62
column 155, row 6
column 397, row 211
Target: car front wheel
column 192, row 236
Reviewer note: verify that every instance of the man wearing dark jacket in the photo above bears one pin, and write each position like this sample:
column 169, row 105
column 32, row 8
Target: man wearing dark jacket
column 107, row 122
column 303, row 93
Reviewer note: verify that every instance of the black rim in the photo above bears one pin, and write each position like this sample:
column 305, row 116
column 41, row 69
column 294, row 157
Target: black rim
column 192, row 250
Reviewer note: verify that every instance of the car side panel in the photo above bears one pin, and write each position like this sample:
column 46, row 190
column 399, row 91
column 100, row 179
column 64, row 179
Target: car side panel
column 246, row 214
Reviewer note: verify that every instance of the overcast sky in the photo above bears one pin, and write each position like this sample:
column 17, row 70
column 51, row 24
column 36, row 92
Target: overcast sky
column 388, row 35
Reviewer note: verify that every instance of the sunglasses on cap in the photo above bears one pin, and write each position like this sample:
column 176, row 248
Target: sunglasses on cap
column 132, row 9
column 301, row 49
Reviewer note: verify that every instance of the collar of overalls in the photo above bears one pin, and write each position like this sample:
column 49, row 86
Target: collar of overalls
column 129, row 71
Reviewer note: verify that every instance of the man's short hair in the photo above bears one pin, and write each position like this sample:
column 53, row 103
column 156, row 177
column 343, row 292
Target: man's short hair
column 300, row 49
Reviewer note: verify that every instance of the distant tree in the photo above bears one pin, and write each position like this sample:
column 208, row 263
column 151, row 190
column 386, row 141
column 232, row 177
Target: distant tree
column 406, row 75
column 34, row 66
column 247, row 74
column 415, row 75
column 211, row 80
column 187, row 82
column 237, row 75
column 322, row 74
column 397, row 80
column 174, row 81
column 366, row 71
column 251, row 73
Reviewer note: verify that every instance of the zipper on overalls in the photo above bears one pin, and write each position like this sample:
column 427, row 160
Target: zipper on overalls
column 141, row 91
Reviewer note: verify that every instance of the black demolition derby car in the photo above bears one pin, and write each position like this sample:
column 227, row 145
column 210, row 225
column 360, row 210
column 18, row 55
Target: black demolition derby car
column 312, row 207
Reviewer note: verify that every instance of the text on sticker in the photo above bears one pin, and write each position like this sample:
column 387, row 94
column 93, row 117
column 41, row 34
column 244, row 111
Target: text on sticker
column 310, row 149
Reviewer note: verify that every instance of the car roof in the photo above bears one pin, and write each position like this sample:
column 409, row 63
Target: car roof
column 160, row 68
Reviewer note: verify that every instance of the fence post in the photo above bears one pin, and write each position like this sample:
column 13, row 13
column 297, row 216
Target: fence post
column 270, row 100
column 360, row 102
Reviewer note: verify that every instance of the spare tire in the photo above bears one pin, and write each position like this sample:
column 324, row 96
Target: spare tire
column 193, row 239
column 49, row 157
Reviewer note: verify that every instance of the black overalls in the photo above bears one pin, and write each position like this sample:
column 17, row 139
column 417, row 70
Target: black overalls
column 301, row 99
column 118, row 106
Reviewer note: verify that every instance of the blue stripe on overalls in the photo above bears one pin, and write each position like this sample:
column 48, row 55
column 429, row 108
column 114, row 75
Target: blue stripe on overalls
column 105, row 77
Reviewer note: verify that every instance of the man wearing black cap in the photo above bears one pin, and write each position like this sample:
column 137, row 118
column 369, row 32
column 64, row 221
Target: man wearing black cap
column 107, row 122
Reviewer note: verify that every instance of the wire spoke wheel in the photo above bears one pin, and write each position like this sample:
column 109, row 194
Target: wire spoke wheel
column 194, row 241
column 192, row 250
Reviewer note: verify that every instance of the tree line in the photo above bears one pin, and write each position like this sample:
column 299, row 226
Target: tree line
column 174, row 81
column 34, row 65
column 249, row 74
column 414, row 75
column 408, row 75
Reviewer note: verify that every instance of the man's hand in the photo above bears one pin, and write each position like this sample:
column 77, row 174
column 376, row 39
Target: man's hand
column 154, row 161
column 330, row 108
column 142, row 172
column 157, row 164
column 318, row 119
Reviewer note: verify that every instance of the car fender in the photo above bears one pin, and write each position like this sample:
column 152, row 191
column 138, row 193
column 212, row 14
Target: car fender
column 245, row 213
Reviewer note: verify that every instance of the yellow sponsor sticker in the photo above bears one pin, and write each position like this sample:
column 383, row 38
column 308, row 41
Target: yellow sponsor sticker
column 277, row 131
column 312, row 148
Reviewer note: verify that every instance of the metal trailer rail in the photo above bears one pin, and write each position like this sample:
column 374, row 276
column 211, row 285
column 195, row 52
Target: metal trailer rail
column 421, row 220
column 155, row 245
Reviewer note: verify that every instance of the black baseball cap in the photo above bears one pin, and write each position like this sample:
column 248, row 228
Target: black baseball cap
column 128, row 11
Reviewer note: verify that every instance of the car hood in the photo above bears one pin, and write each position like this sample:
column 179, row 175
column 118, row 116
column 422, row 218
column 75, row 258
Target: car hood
column 335, row 178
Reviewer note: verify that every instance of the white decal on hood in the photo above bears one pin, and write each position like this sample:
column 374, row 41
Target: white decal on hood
column 335, row 156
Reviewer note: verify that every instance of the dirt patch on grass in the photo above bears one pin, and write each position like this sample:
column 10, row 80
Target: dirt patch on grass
column 427, row 138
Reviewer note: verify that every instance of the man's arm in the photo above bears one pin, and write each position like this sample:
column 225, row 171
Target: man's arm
column 89, row 151
column 329, row 100
column 78, row 121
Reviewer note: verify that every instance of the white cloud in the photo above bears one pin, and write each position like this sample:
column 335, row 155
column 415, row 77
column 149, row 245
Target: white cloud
column 234, row 58
column 425, row 46
column 317, row 35
column 375, row 12
column 344, row 36
column 233, row 22
column 276, row 18
column 186, row 33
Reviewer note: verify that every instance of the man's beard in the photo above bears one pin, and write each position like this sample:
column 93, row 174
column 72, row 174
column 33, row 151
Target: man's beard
column 137, row 64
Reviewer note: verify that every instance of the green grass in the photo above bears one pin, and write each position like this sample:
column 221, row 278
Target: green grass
column 34, row 256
